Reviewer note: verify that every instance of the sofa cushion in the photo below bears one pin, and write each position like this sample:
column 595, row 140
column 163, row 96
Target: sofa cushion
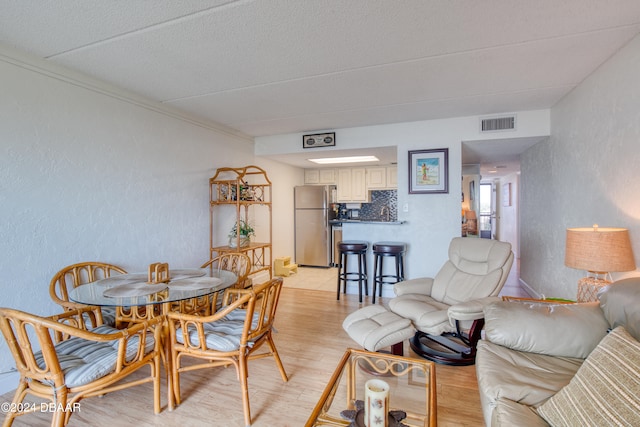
column 525, row 378
column 620, row 304
column 605, row 390
column 566, row 330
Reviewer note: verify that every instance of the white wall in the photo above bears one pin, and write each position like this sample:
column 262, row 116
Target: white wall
column 585, row 174
column 433, row 219
column 88, row 172
column 284, row 178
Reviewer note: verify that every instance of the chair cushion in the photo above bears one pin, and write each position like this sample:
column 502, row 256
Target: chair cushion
column 476, row 268
column 84, row 361
column 605, row 390
column 374, row 327
column 222, row 335
column 427, row 314
column 108, row 316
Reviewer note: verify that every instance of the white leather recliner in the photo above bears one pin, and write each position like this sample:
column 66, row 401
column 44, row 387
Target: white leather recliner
column 447, row 310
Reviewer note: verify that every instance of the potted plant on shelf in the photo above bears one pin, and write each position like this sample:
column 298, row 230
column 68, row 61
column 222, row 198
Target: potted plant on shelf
column 243, row 229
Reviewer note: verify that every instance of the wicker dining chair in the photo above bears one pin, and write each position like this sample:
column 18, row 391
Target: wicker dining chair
column 76, row 361
column 235, row 262
column 231, row 336
column 75, row 275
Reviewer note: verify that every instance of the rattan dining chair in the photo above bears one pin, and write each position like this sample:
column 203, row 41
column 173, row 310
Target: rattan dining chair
column 82, row 273
column 235, row 262
column 231, row 336
column 76, row 362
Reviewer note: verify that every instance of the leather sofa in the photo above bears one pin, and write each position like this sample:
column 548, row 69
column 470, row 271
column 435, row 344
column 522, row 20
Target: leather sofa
column 531, row 365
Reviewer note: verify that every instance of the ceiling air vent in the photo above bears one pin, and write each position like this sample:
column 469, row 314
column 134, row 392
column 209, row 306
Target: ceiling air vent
column 497, row 124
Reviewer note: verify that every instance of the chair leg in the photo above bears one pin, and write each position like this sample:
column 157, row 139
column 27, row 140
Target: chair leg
column 243, row 373
column 174, row 392
column 345, row 268
column 365, row 277
column 360, row 277
column 156, row 385
column 398, row 349
column 375, row 278
column 18, row 397
column 339, row 272
column 60, row 418
column 341, row 269
column 276, row 356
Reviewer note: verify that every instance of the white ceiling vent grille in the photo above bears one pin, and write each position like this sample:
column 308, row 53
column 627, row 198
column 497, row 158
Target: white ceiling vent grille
column 498, row 124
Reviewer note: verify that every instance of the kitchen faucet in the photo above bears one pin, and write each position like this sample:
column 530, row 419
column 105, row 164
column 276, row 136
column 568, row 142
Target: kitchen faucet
column 382, row 212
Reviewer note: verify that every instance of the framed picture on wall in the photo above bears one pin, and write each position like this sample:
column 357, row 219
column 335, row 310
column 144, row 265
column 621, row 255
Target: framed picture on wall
column 429, row 171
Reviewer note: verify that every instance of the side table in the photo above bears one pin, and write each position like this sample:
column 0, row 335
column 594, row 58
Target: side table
column 412, row 384
column 535, row 300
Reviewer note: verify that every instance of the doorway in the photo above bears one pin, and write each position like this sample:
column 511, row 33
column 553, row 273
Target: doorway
column 487, row 211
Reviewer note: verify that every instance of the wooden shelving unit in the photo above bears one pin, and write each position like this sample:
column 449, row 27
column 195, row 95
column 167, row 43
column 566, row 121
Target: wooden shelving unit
column 244, row 189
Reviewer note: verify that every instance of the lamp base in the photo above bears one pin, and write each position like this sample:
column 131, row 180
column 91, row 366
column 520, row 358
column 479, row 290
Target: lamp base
column 588, row 288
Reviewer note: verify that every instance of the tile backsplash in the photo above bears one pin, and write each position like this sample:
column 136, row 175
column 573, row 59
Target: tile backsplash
column 379, row 198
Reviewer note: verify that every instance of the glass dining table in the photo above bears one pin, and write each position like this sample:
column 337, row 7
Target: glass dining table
column 130, row 290
column 134, row 299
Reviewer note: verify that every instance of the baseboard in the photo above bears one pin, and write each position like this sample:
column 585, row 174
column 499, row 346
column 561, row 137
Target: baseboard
column 528, row 289
column 9, row 381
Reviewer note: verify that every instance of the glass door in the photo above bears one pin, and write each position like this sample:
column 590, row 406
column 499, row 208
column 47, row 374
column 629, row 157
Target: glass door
column 487, row 211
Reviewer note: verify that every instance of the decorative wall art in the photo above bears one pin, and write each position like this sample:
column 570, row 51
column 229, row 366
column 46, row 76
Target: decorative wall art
column 429, row 171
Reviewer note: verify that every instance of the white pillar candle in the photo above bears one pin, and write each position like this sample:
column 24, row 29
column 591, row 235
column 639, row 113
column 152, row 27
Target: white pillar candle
column 376, row 403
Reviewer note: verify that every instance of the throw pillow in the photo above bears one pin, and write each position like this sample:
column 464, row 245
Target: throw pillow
column 605, row 390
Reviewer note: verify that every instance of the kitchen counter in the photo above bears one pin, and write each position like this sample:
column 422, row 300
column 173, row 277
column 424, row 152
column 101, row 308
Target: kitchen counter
column 358, row 221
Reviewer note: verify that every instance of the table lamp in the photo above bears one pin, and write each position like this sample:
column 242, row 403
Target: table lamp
column 599, row 251
column 472, row 221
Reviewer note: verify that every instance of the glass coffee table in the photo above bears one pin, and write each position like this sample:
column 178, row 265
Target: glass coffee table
column 411, row 396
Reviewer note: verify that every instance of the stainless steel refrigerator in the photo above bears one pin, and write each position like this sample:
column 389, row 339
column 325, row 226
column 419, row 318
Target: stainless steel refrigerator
column 312, row 205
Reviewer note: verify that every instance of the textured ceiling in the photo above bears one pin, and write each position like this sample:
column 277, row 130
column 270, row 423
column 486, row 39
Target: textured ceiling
column 281, row 66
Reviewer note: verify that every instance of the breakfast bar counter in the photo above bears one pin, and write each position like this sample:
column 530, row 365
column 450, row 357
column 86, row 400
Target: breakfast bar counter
column 371, row 222
column 372, row 231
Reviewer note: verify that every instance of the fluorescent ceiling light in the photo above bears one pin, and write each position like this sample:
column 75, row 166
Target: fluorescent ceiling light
column 353, row 159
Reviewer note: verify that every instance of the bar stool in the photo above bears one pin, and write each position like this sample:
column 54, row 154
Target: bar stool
column 380, row 251
column 359, row 249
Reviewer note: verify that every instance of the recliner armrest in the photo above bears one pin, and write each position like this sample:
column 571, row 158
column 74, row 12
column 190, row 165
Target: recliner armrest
column 421, row 285
column 564, row 330
column 470, row 310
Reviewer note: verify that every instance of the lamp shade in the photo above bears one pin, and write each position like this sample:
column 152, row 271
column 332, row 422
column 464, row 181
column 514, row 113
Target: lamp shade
column 470, row 214
column 602, row 250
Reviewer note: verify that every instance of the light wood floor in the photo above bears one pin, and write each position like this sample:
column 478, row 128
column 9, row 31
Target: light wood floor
column 310, row 340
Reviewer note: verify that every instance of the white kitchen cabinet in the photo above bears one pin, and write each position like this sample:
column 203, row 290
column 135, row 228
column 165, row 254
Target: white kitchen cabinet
column 382, row 177
column 352, row 185
column 392, row 177
column 377, row 177
column 319, row 176
column 312, row 176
